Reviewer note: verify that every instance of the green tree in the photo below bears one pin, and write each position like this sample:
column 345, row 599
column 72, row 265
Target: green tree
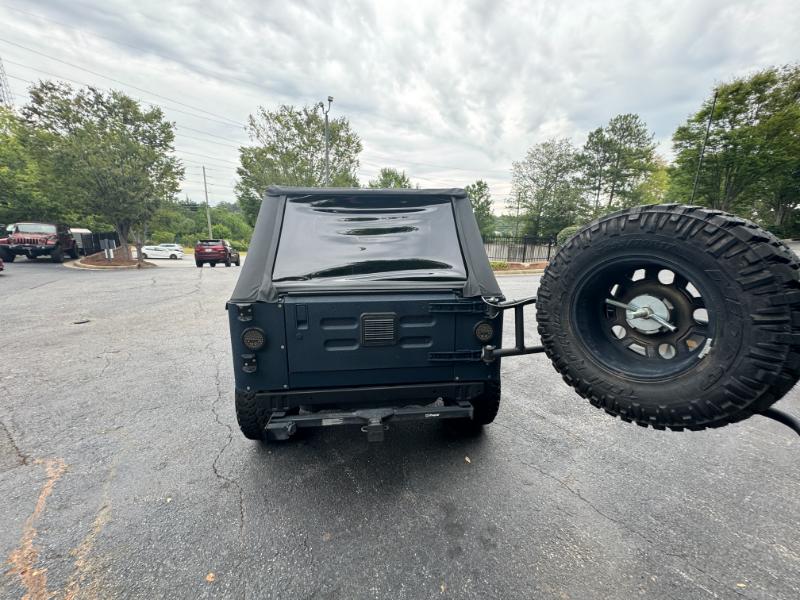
column 116, row 153
column 751, row 164
column 389, row 177
column 655, row 187
column 185, row 223
column 615, row 160
column 289, row 149
column 20, row 192
column 481, row 201
column 547, row 187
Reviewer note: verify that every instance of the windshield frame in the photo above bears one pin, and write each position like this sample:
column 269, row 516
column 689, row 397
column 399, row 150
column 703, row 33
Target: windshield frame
column 51, row 229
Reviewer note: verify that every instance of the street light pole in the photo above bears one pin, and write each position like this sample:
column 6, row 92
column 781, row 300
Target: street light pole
column 327, row 140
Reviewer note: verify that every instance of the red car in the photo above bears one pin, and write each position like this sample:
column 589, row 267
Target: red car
column 38, row 239
column 215, row 251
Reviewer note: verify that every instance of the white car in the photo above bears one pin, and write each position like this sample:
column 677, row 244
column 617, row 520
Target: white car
column 177, row 247
column 173, row 251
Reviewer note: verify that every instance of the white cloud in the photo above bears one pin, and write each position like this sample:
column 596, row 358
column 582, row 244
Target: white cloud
column 449, row 91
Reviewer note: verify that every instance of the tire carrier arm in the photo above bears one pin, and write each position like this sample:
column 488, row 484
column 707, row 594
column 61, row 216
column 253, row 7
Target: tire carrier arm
column 490, row 353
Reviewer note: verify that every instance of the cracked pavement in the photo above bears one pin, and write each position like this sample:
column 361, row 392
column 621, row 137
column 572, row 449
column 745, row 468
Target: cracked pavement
column 123, row 474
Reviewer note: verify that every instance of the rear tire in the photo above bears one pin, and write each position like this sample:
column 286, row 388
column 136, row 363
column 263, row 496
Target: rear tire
column 746, row 353
column 212, row 264
column 251, row 420
column 486, row 406
column 238, row 262
column 73, row 252
column 484, row 411
column 57, row 256
column 199, row 264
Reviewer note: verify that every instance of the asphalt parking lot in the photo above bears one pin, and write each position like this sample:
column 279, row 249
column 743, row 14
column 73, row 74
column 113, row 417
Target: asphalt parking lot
column 123, row 474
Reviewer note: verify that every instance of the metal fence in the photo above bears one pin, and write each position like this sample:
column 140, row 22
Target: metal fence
column 90, row 243
column 519, row 249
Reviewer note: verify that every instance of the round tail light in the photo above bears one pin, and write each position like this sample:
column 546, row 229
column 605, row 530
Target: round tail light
column 253, row 338
column 484, row 332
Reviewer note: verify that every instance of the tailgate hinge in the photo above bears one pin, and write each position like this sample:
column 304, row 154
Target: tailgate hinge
column 455, row 356
column 244, row 312
column 458, row 307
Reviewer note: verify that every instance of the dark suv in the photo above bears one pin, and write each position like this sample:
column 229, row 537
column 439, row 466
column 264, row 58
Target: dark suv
column 366, row 307
column 215, row 251
column 38, row 239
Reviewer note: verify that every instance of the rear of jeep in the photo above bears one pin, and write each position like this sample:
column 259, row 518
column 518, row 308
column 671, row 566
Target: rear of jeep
column 363, row 307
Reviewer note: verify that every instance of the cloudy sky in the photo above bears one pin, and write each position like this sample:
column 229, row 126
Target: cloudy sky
column 449, row 91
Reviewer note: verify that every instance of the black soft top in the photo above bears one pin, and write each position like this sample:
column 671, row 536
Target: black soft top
column 314, row 240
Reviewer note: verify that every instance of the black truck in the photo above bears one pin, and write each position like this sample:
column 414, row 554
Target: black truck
column 367, row 307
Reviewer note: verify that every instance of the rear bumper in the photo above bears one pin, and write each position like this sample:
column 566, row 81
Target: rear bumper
column 215, row 256
column 29, row 249
column 370, row 396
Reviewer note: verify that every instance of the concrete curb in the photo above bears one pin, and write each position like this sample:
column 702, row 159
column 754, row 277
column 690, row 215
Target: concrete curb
column 520, row 272
column 78, row 264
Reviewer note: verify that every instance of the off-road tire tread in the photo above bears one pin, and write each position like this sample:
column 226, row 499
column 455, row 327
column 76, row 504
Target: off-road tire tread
column 486, row 406
column 768, row 272
column 250, row 417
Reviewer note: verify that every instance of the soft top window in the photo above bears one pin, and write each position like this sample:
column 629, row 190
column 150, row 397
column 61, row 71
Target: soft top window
column 379, row 238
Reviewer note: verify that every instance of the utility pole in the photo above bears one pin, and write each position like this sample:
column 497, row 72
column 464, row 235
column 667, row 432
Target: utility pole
column 208, row 210
column 327, row 140
column 703, row 147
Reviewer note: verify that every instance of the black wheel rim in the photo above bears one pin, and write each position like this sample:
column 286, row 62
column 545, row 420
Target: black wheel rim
column 630, row 340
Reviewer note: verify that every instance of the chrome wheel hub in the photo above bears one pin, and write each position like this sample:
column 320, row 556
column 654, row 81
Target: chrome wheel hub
column 641, row 319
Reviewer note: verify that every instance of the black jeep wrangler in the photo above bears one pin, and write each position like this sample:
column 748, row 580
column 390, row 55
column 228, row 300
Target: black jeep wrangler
column 367, row 307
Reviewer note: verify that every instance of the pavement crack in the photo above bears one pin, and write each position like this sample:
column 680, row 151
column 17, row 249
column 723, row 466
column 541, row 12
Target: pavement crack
column 34, row 287
column 606, row 516
column 23, row 458
column 215, row 466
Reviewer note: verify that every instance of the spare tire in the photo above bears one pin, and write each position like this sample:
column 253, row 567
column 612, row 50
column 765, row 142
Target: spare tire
column 673, row 316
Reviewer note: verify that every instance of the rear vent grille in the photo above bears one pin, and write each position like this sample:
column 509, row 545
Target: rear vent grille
column 378, row 329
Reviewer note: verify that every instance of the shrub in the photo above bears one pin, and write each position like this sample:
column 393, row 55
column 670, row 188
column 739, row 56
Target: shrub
column 498, row 265
column 566, row 233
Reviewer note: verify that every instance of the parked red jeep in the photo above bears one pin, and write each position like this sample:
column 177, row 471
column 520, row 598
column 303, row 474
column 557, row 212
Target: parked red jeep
column 37, row 239
column 214, row 251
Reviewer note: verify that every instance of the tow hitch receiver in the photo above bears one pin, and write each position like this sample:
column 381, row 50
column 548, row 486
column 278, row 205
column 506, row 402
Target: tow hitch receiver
column 373, row 421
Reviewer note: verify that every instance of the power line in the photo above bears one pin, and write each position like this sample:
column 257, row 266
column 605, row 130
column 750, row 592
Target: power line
column 376, row 164
column 240, row 143
column 223, row 78
column 236, row 164
column 117, row 42
column 191, row 137
column 119, row 81
column 78, row 82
